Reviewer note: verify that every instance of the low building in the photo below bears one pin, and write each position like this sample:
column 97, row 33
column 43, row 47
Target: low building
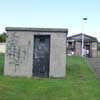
column 39, row 52
column 74, row 45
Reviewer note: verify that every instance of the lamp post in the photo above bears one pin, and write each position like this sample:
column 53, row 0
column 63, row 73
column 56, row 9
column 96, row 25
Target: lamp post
column 84, row 20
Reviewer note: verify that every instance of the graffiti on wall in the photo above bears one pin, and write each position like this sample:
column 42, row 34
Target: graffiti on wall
column 15, row 53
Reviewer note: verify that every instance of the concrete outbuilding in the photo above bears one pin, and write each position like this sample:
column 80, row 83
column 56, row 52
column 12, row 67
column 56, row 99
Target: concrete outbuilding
column 39, row 52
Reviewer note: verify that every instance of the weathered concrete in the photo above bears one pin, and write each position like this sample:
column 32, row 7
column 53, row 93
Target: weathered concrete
column 19, row 54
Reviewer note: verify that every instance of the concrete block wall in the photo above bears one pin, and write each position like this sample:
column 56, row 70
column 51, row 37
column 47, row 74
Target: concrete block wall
column 18, row 60
column 58, row 55
column 19, row 54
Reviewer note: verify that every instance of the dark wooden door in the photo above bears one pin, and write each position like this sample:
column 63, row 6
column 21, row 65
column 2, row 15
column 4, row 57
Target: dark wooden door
column 41, row 55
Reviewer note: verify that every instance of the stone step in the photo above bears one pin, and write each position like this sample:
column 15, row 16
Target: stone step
column 97, row 73
column 95, row 64
column 97, row 70
column 94, row 60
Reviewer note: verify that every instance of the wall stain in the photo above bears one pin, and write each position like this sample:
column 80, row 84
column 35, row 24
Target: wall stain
column 15, row 53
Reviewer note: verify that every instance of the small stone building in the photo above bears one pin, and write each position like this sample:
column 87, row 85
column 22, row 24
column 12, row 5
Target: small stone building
column 74, row 44
column 39, row 52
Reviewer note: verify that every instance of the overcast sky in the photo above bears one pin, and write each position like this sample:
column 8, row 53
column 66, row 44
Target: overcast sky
column 53, row 14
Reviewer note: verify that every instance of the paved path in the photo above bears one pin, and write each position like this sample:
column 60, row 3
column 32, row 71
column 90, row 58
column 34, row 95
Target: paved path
column 95, row 63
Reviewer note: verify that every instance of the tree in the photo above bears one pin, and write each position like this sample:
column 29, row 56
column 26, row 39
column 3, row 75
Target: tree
column 3, row 37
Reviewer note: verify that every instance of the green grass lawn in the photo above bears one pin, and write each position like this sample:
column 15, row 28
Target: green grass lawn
column 80, row 84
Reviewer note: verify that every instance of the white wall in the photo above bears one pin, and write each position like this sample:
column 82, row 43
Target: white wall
column 2, row 47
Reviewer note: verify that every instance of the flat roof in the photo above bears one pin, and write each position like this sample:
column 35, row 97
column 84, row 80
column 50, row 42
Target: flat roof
column 62, row 30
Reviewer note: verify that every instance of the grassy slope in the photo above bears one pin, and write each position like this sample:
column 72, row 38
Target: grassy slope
column 80, row 84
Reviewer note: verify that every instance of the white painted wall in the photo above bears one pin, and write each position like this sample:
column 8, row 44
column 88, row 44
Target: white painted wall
column 2, row 47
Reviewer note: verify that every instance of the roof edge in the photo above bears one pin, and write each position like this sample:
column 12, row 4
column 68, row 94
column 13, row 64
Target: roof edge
column 62, row 30
column 94, row 38
column 82, row 34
